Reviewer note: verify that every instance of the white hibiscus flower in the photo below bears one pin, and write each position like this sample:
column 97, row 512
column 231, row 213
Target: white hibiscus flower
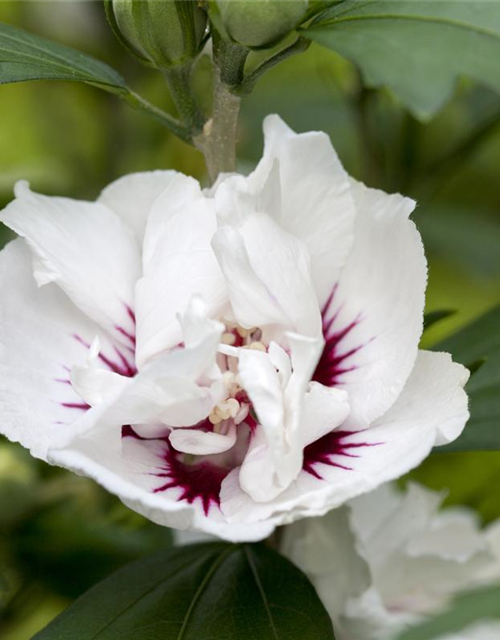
column 227, row 360
column 392, row 559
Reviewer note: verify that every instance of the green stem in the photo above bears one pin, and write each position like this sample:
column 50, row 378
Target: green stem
column 407, row 162
column 299, row 46
column 230, row 59
column 138, row 102
column 218, row 140
column 369, row 149
column 179, row 83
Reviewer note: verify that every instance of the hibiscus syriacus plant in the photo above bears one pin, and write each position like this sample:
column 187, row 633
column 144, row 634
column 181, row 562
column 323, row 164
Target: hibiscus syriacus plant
column 231, row 356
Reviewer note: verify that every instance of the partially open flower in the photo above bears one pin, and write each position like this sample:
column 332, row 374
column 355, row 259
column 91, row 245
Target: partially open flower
column 227, row 360
column 392, row 559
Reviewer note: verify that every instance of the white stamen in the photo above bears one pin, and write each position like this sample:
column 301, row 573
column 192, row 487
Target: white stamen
column 229, row 380
column 242, row 413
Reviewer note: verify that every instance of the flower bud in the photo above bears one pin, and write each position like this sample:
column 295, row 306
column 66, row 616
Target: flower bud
column 257, row 24
column 163, row 33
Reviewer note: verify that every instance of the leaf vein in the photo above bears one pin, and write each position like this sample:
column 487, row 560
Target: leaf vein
column 410, row 17
column 260, row 588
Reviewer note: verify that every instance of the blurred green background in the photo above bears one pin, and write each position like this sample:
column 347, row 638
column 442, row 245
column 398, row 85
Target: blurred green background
column 60, row 533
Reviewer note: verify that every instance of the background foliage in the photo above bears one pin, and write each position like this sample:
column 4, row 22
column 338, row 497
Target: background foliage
column 59, row 533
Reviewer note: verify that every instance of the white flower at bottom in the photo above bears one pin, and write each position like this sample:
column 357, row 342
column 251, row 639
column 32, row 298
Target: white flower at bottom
column 227, row 360
column 391, row 559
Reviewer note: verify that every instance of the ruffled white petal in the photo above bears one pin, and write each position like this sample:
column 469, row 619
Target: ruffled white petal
column 302, row 185
column 84, row 248
column 178, row 263
column 271, row 462
column 132, row 196
column 418, row 557
column 203, row 443
column 268, row 275
column 434, row 396
column 376, row 578
column 92, row 382
column 126, row 468
column 277, row 390
column 432, row 402
column 37, row 349
column 379, row 300
column 324, row 409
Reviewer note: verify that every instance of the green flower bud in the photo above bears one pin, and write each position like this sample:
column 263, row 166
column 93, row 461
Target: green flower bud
column 257, row 24
column 162, row 33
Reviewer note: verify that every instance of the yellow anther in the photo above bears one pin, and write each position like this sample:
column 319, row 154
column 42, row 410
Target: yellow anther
column 228, row 338
column 257, row 346
column 233, row 405
column 224, row 410
column 214, row 417
column 244, row 333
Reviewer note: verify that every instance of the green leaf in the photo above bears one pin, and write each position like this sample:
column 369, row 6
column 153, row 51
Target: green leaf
column 467, row 609
column 26, row 56
column 417, row 48
column 69, row 547
column 201, row 592
column 434, row 317
column 477, row 346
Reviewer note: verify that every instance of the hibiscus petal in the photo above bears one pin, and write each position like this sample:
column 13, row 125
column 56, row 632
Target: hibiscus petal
column 132, row 196
column 316, row 201
column 167, row 390
column 268, row 275
column 162, row 393
column 178, row 263
column 302, row 185
column 270, row 464
column 131, row 469
column 38, row 347
column 84, row 248
column 324, row 410
column 93, row 383
column 274, row 456
column 431, row 409
column 203, row 443
column 374, row 318
column 405, row 516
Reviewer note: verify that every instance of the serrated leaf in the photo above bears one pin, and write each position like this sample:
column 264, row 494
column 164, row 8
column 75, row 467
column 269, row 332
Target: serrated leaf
column 467, row 609
column 26, row 56
column 417, row 48
column 479, row 344
column 199, row 592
